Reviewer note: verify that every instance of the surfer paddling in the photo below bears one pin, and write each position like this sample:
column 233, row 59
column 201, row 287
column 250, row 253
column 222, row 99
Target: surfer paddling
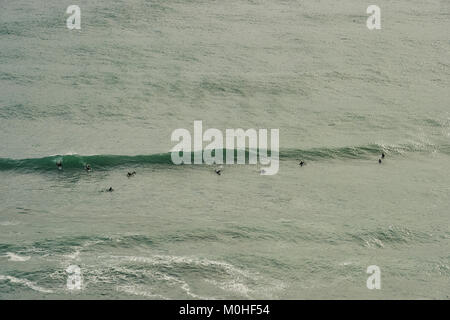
column 382, row 157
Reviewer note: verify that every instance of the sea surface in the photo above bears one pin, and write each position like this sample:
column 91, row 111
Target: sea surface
column 111, row 94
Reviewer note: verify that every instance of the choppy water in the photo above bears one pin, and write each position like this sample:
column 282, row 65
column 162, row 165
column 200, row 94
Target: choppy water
column 111, row 94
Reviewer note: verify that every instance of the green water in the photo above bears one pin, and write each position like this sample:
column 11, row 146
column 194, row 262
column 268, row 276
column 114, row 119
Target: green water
column 111, row 94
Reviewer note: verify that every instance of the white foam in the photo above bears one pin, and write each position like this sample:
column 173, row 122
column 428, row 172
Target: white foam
column 169, row 260
column 74, row 255
column 133, row 290
column 25, row 282
column 15, row 257
column 236, row 280
column 233, row 286
column 9, row 223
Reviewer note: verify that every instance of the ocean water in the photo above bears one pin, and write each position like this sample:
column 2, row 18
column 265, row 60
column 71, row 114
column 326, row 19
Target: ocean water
column 111, row 94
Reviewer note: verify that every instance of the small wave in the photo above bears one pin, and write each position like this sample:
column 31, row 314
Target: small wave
column 26, row 283
column 392, row 235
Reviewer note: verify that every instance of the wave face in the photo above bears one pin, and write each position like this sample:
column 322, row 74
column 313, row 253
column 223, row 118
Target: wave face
column 99, row 162
column 106, row 162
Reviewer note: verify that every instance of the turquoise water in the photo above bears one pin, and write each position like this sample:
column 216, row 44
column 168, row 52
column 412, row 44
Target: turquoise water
column 111, row 94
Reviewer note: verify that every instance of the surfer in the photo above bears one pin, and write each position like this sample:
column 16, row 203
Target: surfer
column 88, row 167
column 218, row 171
column 382, row 155
column 379, row 161
column 59, row 164
column 302, row 163
column 130, row 174
column 110, row 189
